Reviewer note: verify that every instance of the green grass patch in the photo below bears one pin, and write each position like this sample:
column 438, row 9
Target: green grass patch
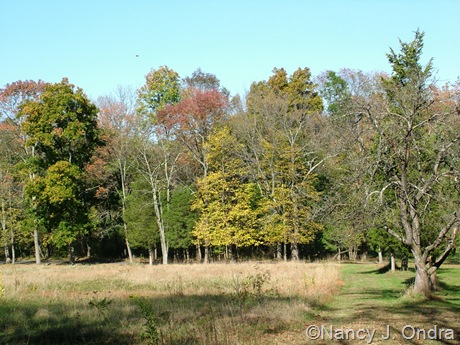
column 378, row 299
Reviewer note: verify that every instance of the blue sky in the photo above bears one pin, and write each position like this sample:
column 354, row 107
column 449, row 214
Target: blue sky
column 95, row 42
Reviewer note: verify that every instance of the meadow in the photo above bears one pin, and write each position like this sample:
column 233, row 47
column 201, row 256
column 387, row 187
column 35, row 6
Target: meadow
column 237, row 303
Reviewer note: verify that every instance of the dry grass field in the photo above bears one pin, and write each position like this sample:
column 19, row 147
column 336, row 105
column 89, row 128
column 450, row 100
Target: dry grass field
column 251, row 303
column 239, row 303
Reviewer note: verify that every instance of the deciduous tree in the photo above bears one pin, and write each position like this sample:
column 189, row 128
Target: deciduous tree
column 11, row 98
column 158, row 152
column 226, row 199
column 415, row 173
column 191, row 122
column 62, row 127
column 121, row 126
column 162, row 87
column 279, row 130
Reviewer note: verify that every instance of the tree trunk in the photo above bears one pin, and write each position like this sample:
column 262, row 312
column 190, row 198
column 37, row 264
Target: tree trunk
column 49, row 251
column 434, row 281
column 353, row 253
column 206, row 254
column 380, row 256
column 231, row 253
column 7, row 254
column 422, row 285
column 198, row 253
column 392, row 262
column 432, row 274
column 128, row 247
column 124, row 192
column 13, row 250
column 38, row 259
column 151, row 254
column 13, row 253
column 279, row 252
column 161, row 227
column 294, row 251
column 71, row 255
column 285, row 251
column 164, row 253
column 7, row 250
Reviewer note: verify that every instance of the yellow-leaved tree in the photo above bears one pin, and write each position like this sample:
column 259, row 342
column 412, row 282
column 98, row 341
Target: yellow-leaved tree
column 227, row 202
column 281, row 134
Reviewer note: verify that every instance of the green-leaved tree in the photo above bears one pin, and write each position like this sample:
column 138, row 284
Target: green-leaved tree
column 61, row 128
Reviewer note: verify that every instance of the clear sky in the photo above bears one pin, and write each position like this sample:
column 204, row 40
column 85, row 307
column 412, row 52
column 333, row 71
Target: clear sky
column 95, row 42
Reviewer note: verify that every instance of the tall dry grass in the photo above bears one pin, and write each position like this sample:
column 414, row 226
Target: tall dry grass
column 234, row 303
column 288, row 278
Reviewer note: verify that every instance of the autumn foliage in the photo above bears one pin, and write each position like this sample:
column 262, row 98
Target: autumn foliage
column 195, row 113
column 178, row 169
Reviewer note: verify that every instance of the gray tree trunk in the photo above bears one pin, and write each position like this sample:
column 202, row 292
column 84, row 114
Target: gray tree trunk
column 13, row 252
column 432, row 274
column 71, row 255
column 353, row 253
column 294, row 251
column 38, row 259
column 380, row 256
column 7, row 254
column 128, row 247
column 392, row 262
column 422, row 283
column 206, row 254
column 279, row 252
column 198, row 253
column 7, row 250
column 160, row 223
column 151, row 255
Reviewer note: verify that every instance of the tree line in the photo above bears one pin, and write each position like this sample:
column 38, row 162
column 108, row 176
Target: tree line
column 302, row 167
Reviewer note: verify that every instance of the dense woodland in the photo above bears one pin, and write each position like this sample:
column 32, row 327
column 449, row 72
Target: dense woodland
column 302, row 167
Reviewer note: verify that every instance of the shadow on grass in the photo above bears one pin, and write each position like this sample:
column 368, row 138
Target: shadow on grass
column 385, row 269
column 53, row 323
column 376, row 299
column 177, row 319
column 450, row 288
column 424, row 315
column 96, row 260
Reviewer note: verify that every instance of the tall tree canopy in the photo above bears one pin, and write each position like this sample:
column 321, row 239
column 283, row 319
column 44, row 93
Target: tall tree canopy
column 162, row 87
column 415, row 169
column 61, row 126
column 278, row 131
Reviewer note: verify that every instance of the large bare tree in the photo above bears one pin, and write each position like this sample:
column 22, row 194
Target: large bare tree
column 414, row 164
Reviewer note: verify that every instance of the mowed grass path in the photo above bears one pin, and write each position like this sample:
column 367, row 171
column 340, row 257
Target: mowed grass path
column 377, row 300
